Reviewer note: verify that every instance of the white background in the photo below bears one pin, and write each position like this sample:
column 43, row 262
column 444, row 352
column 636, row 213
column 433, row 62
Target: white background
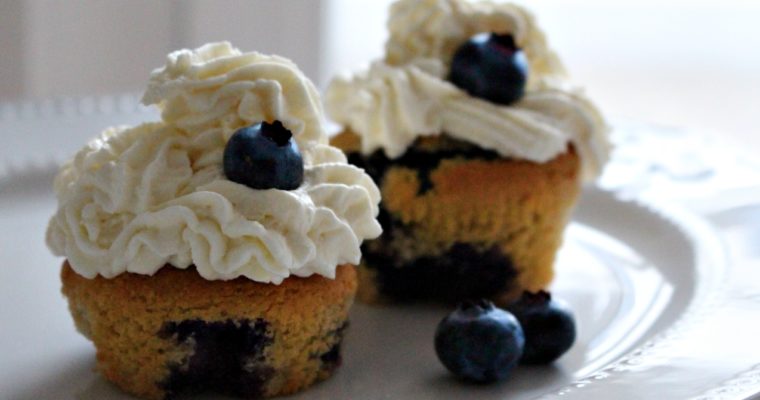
column 684, row 63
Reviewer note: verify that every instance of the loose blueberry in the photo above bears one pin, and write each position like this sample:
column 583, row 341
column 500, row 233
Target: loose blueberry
column 264, row 156
column 491, row 67
column 548, row 324
column 479, row 342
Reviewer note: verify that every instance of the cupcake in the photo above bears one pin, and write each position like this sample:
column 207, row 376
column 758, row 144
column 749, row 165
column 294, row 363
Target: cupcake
column 479, row 145
column 212, row 250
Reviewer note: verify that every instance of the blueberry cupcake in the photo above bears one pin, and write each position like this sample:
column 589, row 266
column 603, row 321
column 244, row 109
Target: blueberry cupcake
column 479, row 145
column 211, row 250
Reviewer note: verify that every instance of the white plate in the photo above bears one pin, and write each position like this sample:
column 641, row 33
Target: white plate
column 638, row 280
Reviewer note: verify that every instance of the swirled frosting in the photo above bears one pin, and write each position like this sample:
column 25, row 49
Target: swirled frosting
column 137, row 199
column 406, row 95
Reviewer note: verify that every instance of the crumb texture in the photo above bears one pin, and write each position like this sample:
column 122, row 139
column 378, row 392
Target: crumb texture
column 460, row 221
column 175, row 333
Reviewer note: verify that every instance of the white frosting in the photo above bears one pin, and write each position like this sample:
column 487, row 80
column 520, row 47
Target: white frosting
column 136, row 199
column 406, row 95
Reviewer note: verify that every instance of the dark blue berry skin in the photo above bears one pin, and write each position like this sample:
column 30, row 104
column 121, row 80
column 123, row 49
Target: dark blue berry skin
column 491, row 67
column 479, row 342
column 549, row 327
column 264, row 156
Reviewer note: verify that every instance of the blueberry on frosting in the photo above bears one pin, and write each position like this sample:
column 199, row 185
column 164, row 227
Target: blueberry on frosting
column 139, row 199
column 491, row 67
column 410, row 92
column 264, row 156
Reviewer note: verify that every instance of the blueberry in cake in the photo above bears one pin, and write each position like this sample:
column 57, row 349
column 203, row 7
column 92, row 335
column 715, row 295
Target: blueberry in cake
column 479, row 144
column 212, row 250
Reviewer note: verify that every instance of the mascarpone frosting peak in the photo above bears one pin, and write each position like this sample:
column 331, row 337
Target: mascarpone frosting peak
column 406, row 94
column 136, row 199
column 436, row 28
column 218, row 87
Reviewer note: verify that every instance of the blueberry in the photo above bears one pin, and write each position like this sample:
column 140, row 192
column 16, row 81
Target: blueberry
column 264, row 156
column 491, row 67
column 548, row 324
column 479, row 342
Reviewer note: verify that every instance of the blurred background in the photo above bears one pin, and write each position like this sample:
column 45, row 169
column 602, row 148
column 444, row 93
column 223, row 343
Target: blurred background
column 685, row 63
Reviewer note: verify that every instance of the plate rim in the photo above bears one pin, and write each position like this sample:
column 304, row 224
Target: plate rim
column 712, row 266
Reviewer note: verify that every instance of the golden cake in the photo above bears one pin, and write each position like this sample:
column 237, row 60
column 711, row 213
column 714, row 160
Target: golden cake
column 479, row 145
column 176, row 332
column 213, row 250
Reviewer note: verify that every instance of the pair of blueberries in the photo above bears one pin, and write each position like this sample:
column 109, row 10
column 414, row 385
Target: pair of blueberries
column 483, row 343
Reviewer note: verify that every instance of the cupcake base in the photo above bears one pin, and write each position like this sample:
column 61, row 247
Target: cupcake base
column 175, row 333
column 461, row 222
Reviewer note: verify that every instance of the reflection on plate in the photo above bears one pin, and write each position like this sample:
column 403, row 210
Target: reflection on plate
column 635, row 277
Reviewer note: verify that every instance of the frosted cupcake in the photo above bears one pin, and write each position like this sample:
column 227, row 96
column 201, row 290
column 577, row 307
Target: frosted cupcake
column 209, row 251
column 479, row 145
